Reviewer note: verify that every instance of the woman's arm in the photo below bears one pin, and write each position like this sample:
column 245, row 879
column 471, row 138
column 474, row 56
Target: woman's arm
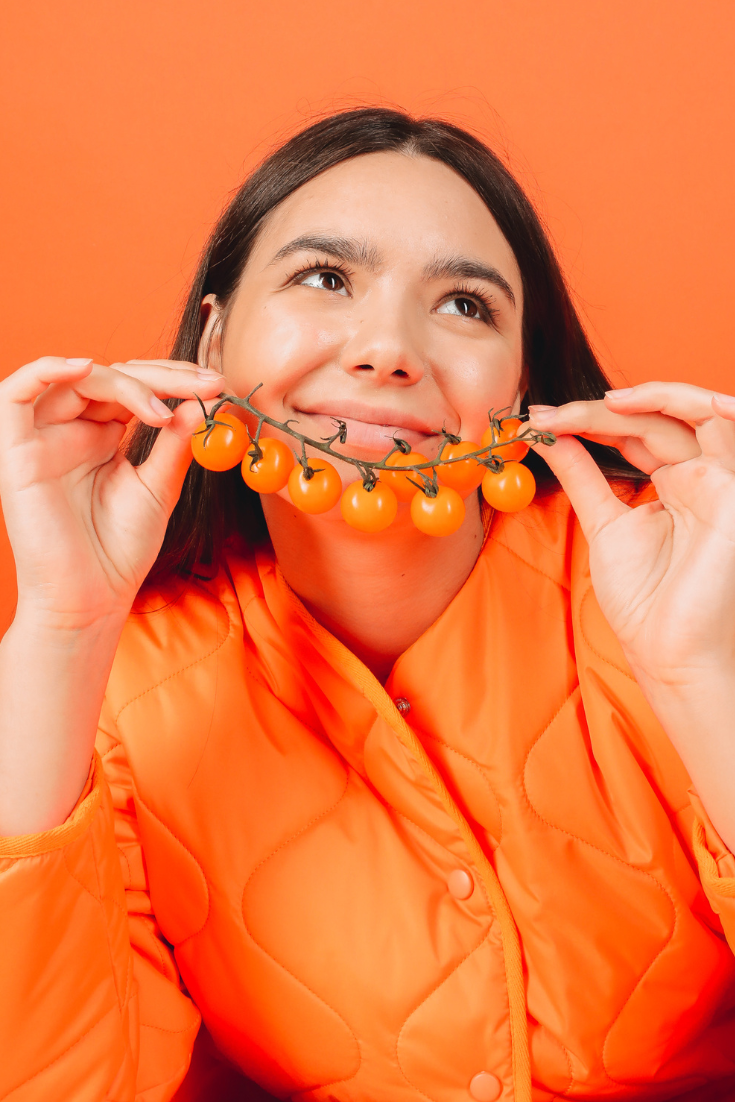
column 92, row 1005
column 664, row 573
column 85, row 527
column 52, row 681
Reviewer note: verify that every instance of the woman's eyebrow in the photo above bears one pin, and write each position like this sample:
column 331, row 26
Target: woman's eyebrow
column 343, row 248
column 462, row 267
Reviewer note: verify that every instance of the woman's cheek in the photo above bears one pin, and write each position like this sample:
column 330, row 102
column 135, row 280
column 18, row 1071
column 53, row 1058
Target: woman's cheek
column 277, row 348
column 480, row 387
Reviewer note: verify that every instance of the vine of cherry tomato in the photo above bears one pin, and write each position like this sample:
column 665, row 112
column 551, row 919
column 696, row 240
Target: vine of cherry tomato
column 463, row 477
column 400, row 481
column 508, row 429
column 510, row 489
column 271, row 472
column 439, row 515
column 369, row 510
column 317, row 494
column 224, row 446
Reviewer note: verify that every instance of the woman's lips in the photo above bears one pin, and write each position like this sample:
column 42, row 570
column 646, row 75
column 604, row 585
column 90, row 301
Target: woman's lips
column 364, row 434
column 374, row 429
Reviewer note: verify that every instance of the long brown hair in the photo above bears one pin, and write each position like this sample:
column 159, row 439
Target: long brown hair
column 559, row 362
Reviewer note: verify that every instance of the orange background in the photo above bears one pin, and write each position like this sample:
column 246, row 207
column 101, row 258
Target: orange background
column 126, row 124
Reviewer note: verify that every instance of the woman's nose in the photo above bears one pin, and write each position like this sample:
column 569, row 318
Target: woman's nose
column 384, row 349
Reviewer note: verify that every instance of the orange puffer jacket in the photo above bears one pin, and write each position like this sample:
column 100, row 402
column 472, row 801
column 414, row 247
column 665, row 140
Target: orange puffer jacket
column 487, row 880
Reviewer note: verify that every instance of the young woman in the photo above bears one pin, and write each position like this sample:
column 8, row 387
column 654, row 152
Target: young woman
column 381, row 817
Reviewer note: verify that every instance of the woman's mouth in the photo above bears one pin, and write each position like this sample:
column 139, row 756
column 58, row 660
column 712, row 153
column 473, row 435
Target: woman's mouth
column 367, row 427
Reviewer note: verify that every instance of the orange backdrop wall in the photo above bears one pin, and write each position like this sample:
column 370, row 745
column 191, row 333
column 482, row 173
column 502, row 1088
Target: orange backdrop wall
column 126, row 124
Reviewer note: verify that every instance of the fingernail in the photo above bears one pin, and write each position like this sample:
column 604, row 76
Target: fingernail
column 208, row 373
column 726, row 399
column 622, row 393
column 79, row 361
column 159, row 408
column 543, row 413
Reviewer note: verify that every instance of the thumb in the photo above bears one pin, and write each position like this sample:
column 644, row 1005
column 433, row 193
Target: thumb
column 584, row 483
column 164, row 470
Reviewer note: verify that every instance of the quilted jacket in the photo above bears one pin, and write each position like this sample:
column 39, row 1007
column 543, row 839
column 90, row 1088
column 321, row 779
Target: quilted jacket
column 487, row 879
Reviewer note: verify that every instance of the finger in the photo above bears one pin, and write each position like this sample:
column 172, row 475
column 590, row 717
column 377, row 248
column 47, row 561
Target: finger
column 666, row 439
column 102, row 384
column 724, row 406
column 632, row 449
column 106, row 411
column 712, row 415
column 64, row 404
column 682, row 400
column 19, row 391
column 585, row 485
column 718, row 435
column 173, row 377
column 163, row 363
column 164, row 470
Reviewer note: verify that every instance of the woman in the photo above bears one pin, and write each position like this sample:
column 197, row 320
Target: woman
column 398, row 817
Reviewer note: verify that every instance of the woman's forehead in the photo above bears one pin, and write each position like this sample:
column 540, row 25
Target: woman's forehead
column 389, row 203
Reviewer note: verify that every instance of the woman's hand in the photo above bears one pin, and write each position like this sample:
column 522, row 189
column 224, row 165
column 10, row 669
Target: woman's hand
column 85, row 527
column 664, row 572
column 84, row 524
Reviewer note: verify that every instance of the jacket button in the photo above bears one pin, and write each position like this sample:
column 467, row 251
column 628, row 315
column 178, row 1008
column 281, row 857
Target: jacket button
column 485, row 1087
column 461, row 886
column 402, row 705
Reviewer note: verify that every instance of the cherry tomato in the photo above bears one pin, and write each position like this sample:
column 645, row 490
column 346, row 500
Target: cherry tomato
column 440, row 515
column 369, row 510
column 399, row 480
column 510, row 489
column 317, row 494
column 462, row 477
column 270, row 473
column 224, row 446
column 508, row 429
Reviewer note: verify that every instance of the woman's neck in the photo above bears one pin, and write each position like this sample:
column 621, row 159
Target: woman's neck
column 376, row 593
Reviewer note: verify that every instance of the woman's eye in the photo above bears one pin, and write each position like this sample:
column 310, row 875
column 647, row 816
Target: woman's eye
column 461, row 307
column 325, row 281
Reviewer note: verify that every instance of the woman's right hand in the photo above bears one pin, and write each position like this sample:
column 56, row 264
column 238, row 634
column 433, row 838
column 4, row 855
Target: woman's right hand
column 84, row 524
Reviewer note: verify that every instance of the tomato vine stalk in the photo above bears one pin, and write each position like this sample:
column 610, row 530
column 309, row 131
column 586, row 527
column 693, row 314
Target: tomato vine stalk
column 485, row 455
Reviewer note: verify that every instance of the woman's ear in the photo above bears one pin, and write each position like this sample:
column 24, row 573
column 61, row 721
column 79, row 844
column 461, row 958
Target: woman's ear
column 209, row 353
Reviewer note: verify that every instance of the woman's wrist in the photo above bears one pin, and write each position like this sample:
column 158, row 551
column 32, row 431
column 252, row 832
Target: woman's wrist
column 697, row 711
column 40, row 618
column 53, row 676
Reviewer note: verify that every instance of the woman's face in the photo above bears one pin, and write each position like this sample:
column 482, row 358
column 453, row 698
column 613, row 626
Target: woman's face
column 381, row 293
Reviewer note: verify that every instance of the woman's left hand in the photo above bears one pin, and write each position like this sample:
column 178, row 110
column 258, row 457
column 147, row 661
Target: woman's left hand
column 663, row 573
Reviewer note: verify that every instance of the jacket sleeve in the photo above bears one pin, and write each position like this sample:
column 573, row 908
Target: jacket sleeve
column 91, row 1006
column 716, row 868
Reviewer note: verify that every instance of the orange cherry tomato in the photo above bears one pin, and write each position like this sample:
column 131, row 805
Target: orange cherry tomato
column 270, row 473
column 508, row 429
column 369, row 510
column 399, row 480
column 440, row 515
column 510, row 489
column 317, row 494
column 462, row 477
column 224, row 446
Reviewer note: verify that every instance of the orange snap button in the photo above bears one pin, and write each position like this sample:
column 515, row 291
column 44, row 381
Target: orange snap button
column 461, row 886
column 485, row 1087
